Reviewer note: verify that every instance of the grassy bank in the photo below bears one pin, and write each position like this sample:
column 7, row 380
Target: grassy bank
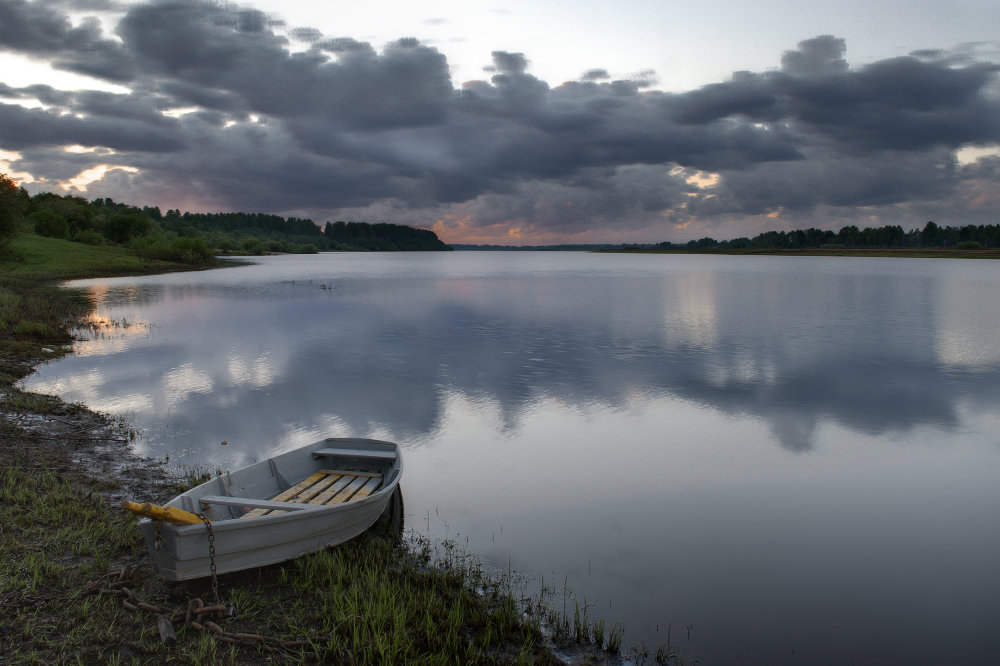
column 76, row 585
column 76, row 589
column 35, row 315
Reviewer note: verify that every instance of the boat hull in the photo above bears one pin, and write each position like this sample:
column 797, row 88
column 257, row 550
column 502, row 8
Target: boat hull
column 183, row 551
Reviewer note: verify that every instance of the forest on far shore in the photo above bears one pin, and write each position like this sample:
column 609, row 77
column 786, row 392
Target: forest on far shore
column 193, row 238
column 969, row 237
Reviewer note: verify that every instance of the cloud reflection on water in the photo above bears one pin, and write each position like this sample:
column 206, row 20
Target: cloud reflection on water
column 794, row 348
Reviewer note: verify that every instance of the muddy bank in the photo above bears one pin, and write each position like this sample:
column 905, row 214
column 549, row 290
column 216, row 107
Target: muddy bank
column 82, row 446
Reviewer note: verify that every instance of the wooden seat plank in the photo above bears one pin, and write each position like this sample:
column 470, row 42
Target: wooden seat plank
column 247, row 501
column 353, row 472
column 355, row 453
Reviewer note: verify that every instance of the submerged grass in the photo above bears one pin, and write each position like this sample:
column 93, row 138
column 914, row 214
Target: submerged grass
column 370, row 601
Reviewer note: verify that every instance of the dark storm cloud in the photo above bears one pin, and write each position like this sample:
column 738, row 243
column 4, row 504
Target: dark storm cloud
column 345, row 46
column 44, row 32
column 832, row 180
column 896, row 104
column 236, row 52
column 63, row 165
column 902, row 104
column 25, row 128
column 595, row 75
column 45, row 94
column 622, row 197
column 34, row 28
column 85, row 5
column 184, row 93
column 340, row 125
column 747, row 94
column 307, row 34
column 816, row 57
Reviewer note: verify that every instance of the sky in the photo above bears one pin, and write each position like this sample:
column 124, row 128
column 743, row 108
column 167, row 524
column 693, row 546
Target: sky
column 531, row 122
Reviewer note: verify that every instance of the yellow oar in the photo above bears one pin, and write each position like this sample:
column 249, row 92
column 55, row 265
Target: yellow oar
column 165, row 513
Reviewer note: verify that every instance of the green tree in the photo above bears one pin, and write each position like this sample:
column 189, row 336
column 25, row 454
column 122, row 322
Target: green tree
column 192, row 250
column 47, row 223
column 931, row 236
column 123, row 227
column 705, row 243
column 10, row 208
column 253, row 246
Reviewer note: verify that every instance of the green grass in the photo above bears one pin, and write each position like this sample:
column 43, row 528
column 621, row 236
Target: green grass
column 32, row 257
column 43, row 514
column 368, row 601
column 33, row 324
column 57, row 535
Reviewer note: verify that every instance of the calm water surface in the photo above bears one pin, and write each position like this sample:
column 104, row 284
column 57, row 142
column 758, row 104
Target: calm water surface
column 767, row 460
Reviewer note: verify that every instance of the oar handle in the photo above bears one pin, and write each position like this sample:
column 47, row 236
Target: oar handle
column 165, row 513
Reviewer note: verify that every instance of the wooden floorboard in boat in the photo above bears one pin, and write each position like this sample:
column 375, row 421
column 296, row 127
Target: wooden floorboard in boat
column 288, row 494
column 333, row 491
column 316, row 488
column 368, row 488
column 326, row 487
column 348, row 492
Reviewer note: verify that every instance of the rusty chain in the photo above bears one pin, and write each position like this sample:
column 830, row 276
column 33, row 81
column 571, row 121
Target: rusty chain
column 211, row 555
column 195, row 614
column 158, row 542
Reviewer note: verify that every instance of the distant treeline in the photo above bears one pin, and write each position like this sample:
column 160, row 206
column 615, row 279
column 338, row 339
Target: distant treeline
column 888, row 237
column 381, row 236
column 232, row 231
column 585, row 247
column 192, row 237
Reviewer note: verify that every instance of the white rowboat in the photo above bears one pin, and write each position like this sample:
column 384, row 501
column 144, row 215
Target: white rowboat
column 295, row 503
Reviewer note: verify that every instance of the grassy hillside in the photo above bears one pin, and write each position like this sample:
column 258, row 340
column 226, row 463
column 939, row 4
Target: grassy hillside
column 32, row 257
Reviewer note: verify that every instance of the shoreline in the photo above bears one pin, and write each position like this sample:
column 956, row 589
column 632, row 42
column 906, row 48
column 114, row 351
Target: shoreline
column 918, row 253
column 67, row 551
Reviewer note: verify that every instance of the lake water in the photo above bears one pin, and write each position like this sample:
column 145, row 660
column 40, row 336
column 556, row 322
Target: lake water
column 764, row 459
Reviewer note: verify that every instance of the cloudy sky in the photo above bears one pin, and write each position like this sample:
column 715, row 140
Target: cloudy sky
column 514, row 122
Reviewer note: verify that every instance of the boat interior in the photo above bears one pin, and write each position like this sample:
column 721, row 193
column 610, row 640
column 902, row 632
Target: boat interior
column 351, row 475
